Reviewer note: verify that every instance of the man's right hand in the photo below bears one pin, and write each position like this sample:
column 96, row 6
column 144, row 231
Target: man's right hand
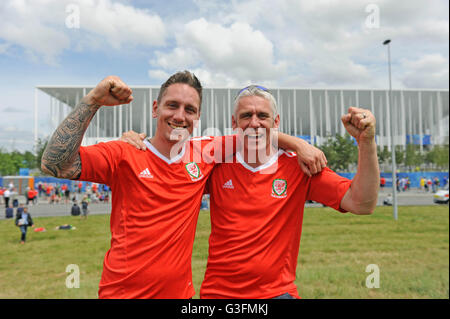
column 109, row 92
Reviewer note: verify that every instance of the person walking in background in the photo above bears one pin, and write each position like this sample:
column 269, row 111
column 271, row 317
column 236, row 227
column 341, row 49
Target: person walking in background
column 40, row 189
column 2, row 190
column 422, row 184
column 66, row 193
column 435, row 184
column 429, row 185
column 31, row 196
column 84, row 206
column 14, row 197
column 23, row 221
column 6, row 196
column 382, row 182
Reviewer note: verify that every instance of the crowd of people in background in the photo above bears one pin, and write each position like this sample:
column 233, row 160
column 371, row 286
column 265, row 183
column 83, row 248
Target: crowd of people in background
column 403, row 184
column 432, row 185
column 8, row 195
column 52, row 193
column 62, row 193
column 56, row 193
column 426, row 184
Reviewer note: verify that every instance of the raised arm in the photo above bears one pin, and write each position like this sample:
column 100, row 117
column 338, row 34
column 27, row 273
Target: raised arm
column 361, row 198
column 61, row 157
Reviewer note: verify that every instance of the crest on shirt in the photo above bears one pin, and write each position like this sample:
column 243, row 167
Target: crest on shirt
column 194, row 171
column 279, row 188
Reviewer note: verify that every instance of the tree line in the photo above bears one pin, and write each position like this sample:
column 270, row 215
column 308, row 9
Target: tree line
column 12, row 162
column 342, row 155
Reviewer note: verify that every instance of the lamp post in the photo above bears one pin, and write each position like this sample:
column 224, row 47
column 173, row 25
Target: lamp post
column 391, row 115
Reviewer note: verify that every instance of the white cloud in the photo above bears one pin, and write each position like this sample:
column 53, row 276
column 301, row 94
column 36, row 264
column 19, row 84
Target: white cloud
column 4, row 47
column 308, row 43
column 292, row 48
column 159, row 75
column 41, row 27
column 21, row 24
column 229, row 52
column 428, row 71
column 327, row 42
column 121, row 24
column 177, row 59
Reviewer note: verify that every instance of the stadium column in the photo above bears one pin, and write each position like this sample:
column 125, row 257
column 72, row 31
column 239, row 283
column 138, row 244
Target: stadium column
column 411, row 130
column 115, row 122
column 430, row 117
column 230, row 108
column 403, row 118
column 312, row 123
column 295, row 112
column 150, row 98
column 320, row 118
column 327, row 114
column 280, row 110
column 144, row 115
column 420, row 123
column 388, row 125
column 224, row 118
column 342, row 128
column 440, row 117
column 373, row 112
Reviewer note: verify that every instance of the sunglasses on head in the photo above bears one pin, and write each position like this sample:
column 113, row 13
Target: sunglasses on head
column 255, row 86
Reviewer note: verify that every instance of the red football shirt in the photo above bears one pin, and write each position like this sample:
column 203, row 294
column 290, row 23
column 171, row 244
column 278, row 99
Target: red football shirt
column 155, row 206
column 256, row 224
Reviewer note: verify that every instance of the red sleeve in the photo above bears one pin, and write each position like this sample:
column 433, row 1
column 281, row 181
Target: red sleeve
column 328, row 188
column 99, row 162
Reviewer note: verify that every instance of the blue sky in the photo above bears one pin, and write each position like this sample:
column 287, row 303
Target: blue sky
column 285, row 43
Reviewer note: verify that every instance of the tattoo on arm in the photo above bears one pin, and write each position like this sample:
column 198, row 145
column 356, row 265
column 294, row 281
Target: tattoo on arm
column 61, row 157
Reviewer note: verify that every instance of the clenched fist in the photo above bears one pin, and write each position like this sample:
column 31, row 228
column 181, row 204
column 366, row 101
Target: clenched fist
column 110, row 91
column 360, row 124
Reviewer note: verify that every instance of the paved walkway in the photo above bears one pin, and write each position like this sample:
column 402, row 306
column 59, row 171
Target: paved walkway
column 412, row 197
column 43, row 208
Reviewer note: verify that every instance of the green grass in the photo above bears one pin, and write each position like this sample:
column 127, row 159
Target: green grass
column 412, row 255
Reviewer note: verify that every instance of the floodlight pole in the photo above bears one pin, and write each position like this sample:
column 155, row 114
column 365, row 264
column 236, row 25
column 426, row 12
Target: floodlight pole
column 391, row 115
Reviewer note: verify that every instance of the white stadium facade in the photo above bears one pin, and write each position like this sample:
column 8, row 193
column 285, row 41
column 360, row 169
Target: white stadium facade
column 421, row 116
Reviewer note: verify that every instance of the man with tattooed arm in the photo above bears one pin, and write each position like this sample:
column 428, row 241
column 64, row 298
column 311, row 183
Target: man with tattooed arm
column 156, row 195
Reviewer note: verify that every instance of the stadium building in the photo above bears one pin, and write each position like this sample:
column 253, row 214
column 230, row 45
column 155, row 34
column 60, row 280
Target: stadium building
column 420, row 116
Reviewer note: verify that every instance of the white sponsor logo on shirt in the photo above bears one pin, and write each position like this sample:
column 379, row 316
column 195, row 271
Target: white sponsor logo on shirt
column 145, row 174
column 228, row 184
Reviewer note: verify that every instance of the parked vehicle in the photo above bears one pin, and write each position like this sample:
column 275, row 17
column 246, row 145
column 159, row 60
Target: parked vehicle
column 441, row 196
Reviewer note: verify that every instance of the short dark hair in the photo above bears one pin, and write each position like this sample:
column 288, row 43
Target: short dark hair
column 185, row 77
